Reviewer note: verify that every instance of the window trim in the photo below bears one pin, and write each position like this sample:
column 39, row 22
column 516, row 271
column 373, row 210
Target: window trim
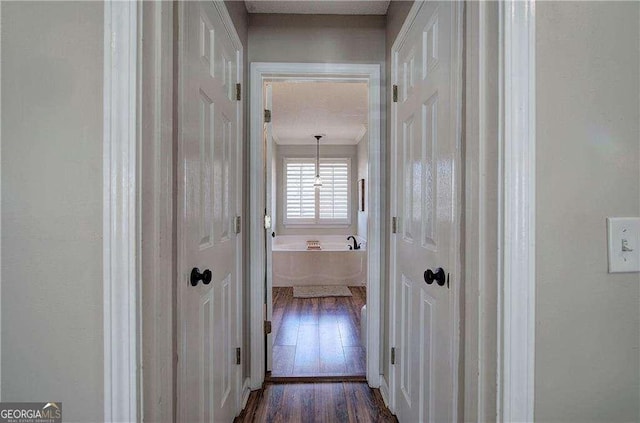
column 316, row 222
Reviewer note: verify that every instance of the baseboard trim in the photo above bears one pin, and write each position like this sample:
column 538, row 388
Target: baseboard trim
column 384, row 391
column 313, row 379
column 246, row 391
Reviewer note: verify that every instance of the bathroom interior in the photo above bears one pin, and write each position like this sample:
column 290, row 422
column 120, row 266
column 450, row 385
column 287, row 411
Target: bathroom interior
column 318, row 187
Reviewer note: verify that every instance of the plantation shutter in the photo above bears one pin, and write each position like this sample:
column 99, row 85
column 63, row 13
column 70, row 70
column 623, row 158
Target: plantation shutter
column 334, row 194
column 306, row 205
column 300, row 193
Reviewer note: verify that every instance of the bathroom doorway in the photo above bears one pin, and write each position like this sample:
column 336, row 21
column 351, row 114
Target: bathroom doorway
column 316, row 141
column 316, row 301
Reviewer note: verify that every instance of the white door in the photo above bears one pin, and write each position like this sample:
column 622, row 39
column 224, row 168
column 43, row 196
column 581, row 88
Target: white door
column 425, row 193
column 209, row 124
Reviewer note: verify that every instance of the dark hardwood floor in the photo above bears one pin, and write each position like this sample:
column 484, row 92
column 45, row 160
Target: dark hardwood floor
column 317, row 336
column 315, row 403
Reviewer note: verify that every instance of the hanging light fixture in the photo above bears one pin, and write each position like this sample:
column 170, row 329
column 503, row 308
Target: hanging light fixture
column 318, row 182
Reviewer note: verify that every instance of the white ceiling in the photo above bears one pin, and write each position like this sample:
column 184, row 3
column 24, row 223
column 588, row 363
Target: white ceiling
column 322, row 7
column 302, row 109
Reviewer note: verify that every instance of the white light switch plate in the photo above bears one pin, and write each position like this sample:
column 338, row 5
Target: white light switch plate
column 623, row 236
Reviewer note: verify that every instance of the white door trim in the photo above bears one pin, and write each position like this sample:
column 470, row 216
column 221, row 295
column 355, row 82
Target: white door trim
column 120, row 213
column 516, row 279
column 313, row 71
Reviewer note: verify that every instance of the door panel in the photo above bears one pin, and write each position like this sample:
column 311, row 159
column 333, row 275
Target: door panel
column 209, row 120
column 425, row 159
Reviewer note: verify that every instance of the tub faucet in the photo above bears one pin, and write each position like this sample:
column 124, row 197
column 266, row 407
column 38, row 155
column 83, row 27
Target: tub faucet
column 355, row 246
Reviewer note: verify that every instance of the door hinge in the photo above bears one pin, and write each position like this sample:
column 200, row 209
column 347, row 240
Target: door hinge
column 267, row 222
column 238, row 92
column 237, row 224
column 393, row 355
column 395, row 93
column 238, row 355
column 267, row 327
column 394, row 225
column 267, row 116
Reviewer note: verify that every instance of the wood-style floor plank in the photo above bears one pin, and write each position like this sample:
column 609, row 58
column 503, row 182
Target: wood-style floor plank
column 355, row 360
column 307, row 359
column 287, row 328
column 317, row 336
column 316, row 403
column 283, row 359
column 331, row 351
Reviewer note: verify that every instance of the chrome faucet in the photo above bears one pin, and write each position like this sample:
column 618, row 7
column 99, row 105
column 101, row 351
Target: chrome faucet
column 355, row 245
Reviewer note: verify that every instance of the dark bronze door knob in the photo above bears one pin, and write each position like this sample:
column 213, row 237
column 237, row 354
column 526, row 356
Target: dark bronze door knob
column 196, row 276
column 438, row 276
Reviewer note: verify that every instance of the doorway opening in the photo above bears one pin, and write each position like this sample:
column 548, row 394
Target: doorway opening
column 307, row 337
column 316, row 167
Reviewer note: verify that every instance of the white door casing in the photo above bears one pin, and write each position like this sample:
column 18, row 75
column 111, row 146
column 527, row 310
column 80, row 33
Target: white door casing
column 261, row 73
column 209, row 197
column 426, row 203
column 516, row 277
column 121, row 213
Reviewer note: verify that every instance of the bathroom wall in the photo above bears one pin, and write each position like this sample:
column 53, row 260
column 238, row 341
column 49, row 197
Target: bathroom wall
column 363, row 173
column 52, row 300
column 587, row 366
column 309, row 151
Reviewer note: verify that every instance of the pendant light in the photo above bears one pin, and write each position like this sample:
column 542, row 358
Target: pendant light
column 318, row 182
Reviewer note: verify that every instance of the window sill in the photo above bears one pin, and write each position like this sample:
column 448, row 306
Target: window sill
column 317, row 225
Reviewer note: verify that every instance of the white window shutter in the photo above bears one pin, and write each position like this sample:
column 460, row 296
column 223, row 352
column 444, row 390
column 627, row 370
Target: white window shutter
column 330, row 204
column 300, row 193
column 334, row 195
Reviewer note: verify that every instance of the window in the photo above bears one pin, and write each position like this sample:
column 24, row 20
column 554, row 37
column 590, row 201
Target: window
column 304, row 205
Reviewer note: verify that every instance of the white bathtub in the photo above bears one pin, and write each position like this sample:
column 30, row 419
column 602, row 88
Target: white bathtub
column 333, row 264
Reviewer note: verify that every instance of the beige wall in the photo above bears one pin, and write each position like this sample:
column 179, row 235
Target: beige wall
column 52, row 337
column 588, row 168
column 309, row 151
column 316, row 38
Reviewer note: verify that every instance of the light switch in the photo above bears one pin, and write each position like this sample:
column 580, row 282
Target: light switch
column 623, row 244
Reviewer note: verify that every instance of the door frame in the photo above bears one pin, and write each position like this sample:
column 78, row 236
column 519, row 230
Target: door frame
column 456, row 265
column 261, row 72
column 137, row 79
column 516, row 275
column 513, row 368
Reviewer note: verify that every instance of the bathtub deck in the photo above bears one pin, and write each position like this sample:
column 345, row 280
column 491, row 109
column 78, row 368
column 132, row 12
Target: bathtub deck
column 317, row 336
